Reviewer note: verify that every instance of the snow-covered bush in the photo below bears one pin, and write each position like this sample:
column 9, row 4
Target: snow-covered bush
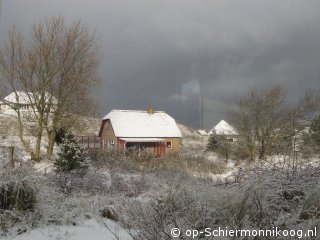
column 18, row 199
column 155, row 219
column 71, row 155
column 19, row 195
column 270, row 197
column 195, row 164
column 110, row 159
column 90, row 181
column 17, row 189
column 311, row 207
column 265, row 198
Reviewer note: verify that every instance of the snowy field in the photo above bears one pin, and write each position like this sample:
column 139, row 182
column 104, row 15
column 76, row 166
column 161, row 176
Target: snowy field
column 145, row 198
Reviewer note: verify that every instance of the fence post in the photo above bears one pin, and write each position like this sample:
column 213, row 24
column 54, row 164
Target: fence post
column 10, row 154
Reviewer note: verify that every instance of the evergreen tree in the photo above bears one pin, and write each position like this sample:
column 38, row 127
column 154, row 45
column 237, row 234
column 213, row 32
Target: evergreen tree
column 60, row 135
column 212, row 143
column 71, row 155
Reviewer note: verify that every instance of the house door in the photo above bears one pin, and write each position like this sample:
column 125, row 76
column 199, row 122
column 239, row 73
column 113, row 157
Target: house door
column 159, row 149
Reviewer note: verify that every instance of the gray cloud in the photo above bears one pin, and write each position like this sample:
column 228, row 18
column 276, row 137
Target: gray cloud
column 152, row 47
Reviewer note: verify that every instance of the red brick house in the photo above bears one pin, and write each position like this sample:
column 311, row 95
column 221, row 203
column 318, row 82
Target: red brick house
column 152, row 131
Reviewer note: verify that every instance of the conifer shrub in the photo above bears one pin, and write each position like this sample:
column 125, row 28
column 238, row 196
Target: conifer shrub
column 71, row 155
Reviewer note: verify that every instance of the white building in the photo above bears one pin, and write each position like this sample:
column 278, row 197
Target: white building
column 23, row 102
column 224, row 129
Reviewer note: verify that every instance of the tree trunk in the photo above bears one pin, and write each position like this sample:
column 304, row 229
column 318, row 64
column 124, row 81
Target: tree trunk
column 262, row 151
column 251, row 157
column 227, row 157
column 51, row 141
column 25, row 145
column 38, row 145
column 38, row 141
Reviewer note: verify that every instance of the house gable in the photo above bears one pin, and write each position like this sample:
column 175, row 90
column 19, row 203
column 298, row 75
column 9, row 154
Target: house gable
column 106, row 130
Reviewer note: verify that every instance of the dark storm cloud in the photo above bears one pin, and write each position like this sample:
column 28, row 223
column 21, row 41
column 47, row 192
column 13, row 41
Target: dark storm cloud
column 152, row 47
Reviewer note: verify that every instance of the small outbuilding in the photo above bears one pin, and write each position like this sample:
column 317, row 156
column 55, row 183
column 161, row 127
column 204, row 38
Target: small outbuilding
column 224, row 129
column 152, row 131
column 24, row 102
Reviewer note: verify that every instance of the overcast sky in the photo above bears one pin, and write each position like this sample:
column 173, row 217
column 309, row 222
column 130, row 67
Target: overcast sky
column 152, row 49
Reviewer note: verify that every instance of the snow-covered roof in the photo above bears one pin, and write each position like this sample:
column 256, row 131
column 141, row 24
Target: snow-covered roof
column 223, row 128
column 202, row 132
column 22, row 97
column 132, row 123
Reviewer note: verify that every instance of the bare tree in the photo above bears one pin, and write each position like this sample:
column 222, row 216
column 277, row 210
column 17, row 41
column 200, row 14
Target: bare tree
column 266, row 124
column 258, row 118
column 308, row 107
column 57, row 69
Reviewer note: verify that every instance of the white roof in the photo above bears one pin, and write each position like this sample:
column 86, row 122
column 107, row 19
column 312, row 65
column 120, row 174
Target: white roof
column 202, row 132
column 25, row 97
column 22, row 98
column 140, row 124
column 223, row 128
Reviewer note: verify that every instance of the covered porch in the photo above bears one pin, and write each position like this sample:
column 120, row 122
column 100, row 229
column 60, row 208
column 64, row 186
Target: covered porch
column 154, row 146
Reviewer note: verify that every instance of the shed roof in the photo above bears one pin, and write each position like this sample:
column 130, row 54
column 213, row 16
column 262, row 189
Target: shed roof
column 141, row 124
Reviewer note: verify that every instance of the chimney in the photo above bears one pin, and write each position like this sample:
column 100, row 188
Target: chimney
column 150, row 110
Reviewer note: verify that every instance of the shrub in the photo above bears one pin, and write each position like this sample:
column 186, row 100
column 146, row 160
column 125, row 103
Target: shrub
column 194, row 164
column 107, row 158
column 90, row 182
column 311, row 207
column 19, row 195
column 155, row 219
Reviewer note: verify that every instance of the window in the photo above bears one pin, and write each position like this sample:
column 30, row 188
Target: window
column 168, row 144
column 111, row 143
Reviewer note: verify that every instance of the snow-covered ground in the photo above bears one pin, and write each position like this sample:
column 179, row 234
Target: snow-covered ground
column 87, row 230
